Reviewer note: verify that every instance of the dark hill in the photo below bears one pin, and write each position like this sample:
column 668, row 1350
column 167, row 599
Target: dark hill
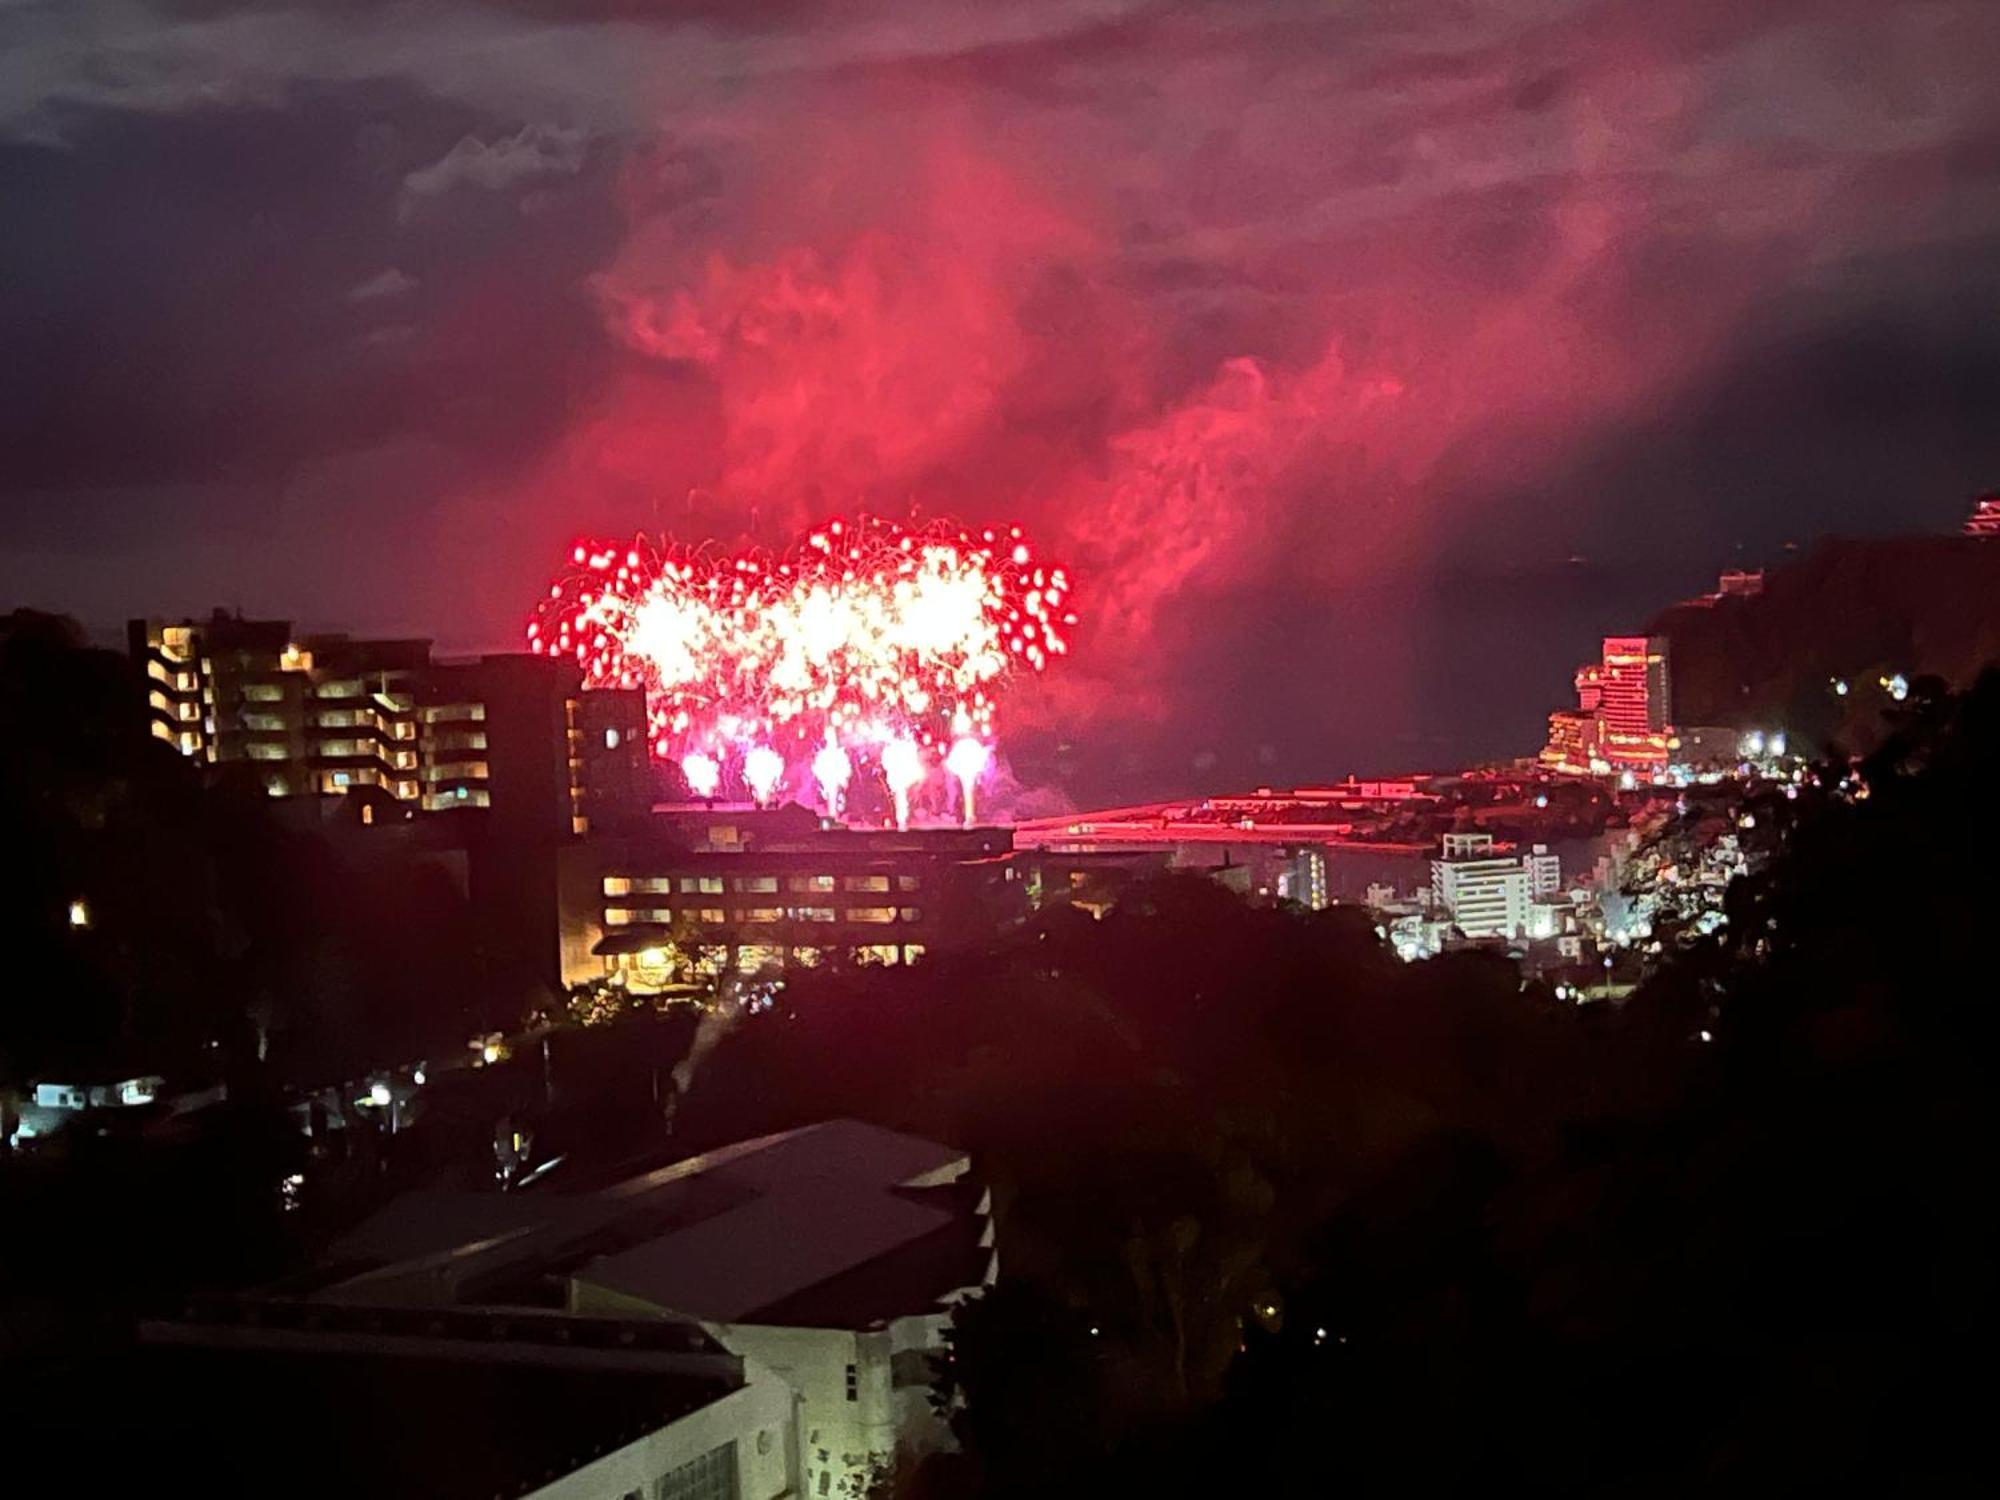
column 1851, row 610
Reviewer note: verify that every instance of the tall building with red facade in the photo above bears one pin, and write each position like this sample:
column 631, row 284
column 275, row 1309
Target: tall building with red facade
column 1623, row 720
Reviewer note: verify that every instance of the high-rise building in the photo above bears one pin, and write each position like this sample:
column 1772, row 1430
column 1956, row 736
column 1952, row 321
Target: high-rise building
column 1635, row 686
column 1623, row 717
column 330, row 716
column 1485, row 892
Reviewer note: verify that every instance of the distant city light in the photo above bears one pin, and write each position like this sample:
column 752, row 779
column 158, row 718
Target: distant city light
column 79, row 913
column 1708, row 1036
column 379, row 1095
column 1778, row 744
column 1840, row 687
column 491, row 1052
column 1541, row 799
column 1898, row 687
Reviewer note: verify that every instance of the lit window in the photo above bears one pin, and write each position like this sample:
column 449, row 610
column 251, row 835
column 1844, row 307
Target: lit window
column 866, row 883
column 707, row 885
column 812, row 882
column 616, row 916
column 907, row 882
column 611, row 739
column 877, row 953
column 713, row 914
column 818, row 914
column 757, row 884
column 764, row 914
column 911, row 914
column 617, row 885
column 871, row 913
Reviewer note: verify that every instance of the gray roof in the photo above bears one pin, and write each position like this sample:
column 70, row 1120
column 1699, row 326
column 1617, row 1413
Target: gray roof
column 718, row 1236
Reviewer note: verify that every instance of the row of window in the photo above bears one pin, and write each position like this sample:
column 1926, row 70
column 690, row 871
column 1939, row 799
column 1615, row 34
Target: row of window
column 712, row 885
column 661, row 916
column 457, row 770
column 464, row 796
column 651, row 966
column 365, row 718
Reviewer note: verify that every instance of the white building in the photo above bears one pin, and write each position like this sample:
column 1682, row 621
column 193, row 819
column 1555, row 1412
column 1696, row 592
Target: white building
column 1485, row 893
column 1545, row 875
column 831, row 1255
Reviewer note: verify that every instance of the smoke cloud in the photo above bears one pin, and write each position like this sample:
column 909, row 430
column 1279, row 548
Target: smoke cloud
column 1289, row 325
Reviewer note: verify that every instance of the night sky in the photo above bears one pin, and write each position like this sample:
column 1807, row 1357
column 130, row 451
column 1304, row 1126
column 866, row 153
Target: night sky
column 1366, row 358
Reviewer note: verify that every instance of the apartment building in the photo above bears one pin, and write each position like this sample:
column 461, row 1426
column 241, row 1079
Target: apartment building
column 332, row 716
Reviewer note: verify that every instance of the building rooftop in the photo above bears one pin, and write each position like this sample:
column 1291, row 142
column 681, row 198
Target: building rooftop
column 836, row 1224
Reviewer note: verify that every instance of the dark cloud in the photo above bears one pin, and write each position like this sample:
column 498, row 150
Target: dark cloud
column 1317, row 336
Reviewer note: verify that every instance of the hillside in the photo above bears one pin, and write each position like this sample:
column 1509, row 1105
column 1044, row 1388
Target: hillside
column 1851, row 610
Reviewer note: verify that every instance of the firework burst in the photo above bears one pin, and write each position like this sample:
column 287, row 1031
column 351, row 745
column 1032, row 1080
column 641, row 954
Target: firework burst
column 866, row 637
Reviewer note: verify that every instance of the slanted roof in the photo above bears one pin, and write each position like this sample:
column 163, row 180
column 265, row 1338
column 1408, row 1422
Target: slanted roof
column 725, row 1236
column 826, row 1199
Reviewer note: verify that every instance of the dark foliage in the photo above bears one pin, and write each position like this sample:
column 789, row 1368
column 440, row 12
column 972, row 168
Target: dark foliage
column 1343, row 1224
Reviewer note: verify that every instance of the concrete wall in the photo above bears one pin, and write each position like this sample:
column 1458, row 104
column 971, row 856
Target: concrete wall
column 839, row 1439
